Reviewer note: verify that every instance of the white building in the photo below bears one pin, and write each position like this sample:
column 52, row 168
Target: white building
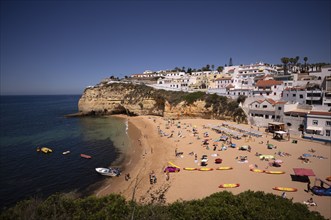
column 318, row 126
column 264, row 111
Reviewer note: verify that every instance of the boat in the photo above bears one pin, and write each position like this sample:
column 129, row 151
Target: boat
column 257, row 170
column 229, row 185
column 85, row 156
column 274, row 172
column 108, row 171
column 190, row 168
column 205, row 169
column 171, row 169
column 173, row 165
column 285, row 189
column 66, row 152
column 224, row 168
column 46, row 150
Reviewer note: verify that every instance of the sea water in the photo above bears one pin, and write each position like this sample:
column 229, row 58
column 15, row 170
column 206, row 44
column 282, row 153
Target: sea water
column 28, row 122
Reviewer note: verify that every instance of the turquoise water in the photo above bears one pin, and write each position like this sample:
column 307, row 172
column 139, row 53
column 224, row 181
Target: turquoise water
column 28, row 122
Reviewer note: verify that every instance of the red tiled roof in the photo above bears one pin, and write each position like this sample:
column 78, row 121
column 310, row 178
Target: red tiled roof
column 267, row 83
column 271, row 101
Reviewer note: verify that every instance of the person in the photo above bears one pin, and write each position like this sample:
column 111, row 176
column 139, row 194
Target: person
column 284, row 195
column 167, row 175
column 308, row 185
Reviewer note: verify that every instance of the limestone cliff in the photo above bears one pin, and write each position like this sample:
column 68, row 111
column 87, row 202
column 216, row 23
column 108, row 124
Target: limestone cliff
column 120, row 98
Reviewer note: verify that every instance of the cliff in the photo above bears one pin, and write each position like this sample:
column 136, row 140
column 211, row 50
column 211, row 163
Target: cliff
column 130, row 99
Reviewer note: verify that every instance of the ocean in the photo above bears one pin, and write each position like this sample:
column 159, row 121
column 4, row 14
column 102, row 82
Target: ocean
column 28, row 122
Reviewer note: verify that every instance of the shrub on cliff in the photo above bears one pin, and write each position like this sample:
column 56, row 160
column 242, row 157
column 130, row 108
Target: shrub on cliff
column 221, row 205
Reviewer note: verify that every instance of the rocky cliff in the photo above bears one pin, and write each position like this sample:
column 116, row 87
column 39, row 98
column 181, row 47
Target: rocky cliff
column 120, row 98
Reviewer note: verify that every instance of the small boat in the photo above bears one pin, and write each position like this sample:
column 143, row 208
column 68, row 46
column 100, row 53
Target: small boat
column 46, row 150
column 224, row 168
column 205, row 169
column 229, row 185
column 108, row 171
column 85, row 156
column 274, row 172
column 257, row 170
column 66, row 152
column 285, row 189
column 190, row 168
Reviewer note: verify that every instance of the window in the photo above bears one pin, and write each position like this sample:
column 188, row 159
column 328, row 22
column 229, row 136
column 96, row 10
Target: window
column 274, row 93
column 315, row 122
column 301, row 96
column 264, row 106
column 266, row 116
column 255, row 106
column 294, row 95
column 328, row 123
column 328, row 133
column 279, row 108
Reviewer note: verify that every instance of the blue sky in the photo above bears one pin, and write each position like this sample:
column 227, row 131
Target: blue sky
column 60, row 47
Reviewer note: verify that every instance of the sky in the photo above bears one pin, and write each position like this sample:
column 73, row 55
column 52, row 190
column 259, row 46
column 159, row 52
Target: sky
column 60, row 47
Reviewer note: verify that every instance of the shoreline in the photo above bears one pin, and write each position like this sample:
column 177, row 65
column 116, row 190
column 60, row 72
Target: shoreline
column 153, row 152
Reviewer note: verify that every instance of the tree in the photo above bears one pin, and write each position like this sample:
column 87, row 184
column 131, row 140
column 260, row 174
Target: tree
column 220, row 69
column 183, row 68
column 230, row 62
column 212, row 67
column 285, row 61
column 305, row 59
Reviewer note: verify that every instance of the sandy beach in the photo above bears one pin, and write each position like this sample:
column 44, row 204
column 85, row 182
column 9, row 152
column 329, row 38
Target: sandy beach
column 156, row 140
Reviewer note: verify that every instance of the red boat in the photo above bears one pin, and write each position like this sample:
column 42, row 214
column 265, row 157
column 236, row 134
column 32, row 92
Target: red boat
column 85, row 156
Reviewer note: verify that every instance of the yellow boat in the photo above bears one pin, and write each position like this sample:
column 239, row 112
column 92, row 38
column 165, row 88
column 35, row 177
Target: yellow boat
column 46, row 150
column 274, row 172
column 190, row 168
column 257, row 170
column 224, row 168
column 173, row 165
column 229, row 185
column 285, row 189
column 205, row 169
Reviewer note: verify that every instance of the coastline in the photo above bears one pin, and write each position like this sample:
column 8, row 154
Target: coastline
column 153, row 152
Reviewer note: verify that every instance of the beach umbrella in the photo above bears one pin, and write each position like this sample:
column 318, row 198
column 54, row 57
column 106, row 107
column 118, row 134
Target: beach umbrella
column 278, row 161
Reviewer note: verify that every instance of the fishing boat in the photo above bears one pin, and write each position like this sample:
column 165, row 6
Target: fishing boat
column 66, row 152
column 85, row 156
column 45, row 150
column 108, row 171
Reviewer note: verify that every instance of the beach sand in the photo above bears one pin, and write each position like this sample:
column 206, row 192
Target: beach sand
column 151, row 152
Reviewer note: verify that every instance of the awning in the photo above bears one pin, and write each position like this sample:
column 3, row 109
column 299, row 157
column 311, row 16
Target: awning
column 315, row 128
column 303, row 172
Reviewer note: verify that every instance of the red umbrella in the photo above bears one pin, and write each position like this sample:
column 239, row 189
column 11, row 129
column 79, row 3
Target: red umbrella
column 303, row 172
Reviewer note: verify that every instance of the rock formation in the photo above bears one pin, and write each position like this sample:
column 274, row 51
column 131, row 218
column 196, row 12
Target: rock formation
column 130, row 99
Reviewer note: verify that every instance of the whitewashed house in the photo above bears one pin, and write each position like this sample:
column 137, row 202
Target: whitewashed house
column 318, row 126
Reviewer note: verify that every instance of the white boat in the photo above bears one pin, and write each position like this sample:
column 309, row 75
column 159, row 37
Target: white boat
column 108, row 171
column 66, row 152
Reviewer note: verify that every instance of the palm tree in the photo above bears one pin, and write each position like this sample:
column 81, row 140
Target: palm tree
column 212, row 66
column 285, row 61
column 305, row 59
column 291, row 61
